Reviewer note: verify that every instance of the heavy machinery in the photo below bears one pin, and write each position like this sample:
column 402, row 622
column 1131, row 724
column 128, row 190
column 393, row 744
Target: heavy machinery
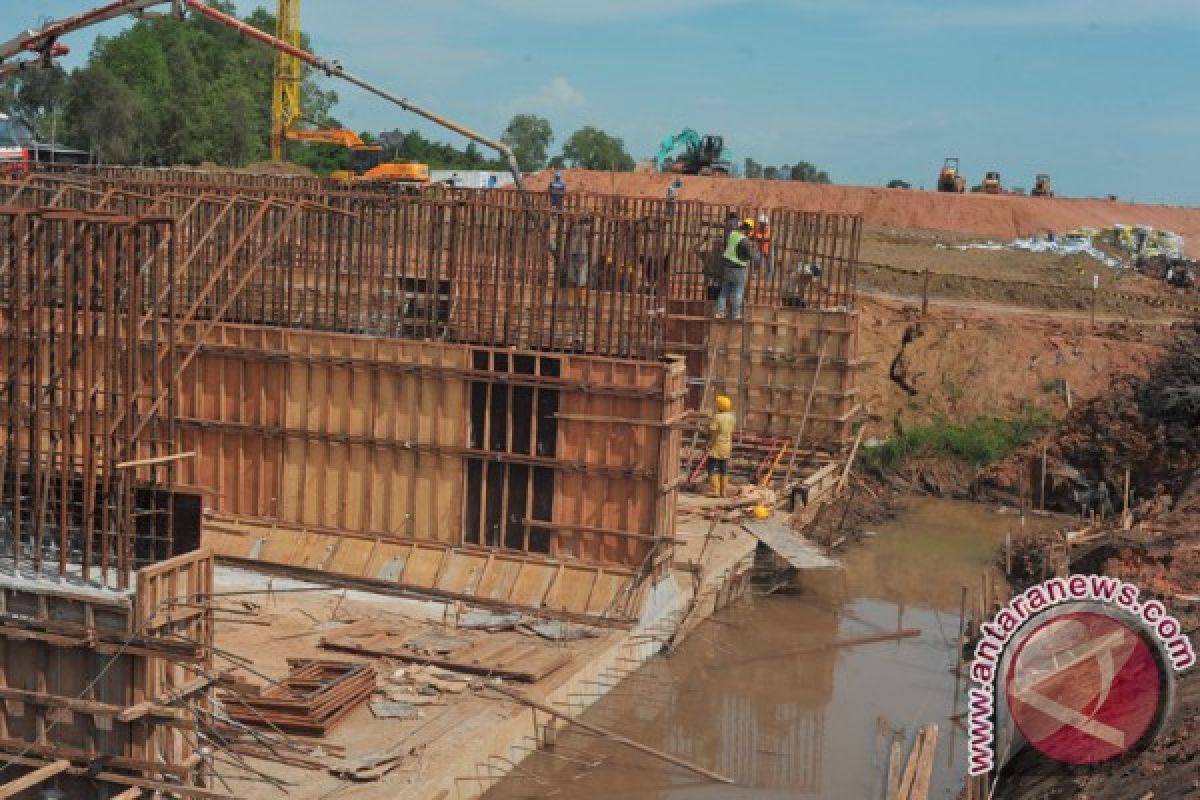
column 950, row 179
column 1042, row 186
column 43, row 47
column 366, row 160
column 702, row 155
column 991, row 184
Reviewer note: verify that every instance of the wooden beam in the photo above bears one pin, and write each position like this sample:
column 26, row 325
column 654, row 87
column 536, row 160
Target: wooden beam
column 149, row 462
column 33, row 778
column 165, row 787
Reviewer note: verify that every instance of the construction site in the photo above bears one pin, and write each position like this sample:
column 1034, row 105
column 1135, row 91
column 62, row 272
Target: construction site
column 372, row 486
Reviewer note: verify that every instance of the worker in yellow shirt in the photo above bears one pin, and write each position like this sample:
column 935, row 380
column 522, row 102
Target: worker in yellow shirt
column 720, row 446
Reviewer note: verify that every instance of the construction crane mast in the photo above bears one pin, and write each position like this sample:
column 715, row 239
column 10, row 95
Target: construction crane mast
column 43, row 46
column 285, row 91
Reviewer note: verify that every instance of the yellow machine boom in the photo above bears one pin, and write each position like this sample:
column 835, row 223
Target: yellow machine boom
column 285, row 95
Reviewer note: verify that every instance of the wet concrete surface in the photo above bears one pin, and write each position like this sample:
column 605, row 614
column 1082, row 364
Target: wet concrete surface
column 817, row 725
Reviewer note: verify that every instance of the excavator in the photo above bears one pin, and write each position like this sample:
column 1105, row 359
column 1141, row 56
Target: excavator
column 34, row 49
column 950, row 179
column 366, row 160
column 702, row 155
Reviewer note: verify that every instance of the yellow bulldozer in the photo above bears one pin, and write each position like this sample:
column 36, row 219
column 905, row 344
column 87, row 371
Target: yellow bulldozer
column 950, row 179
column 366, row 160
column 1042, row 186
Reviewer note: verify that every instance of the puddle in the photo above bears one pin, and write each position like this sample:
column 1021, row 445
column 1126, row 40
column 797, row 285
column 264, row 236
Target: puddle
column 807, row 725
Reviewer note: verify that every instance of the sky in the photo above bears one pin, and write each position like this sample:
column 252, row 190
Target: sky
column 1100, row 94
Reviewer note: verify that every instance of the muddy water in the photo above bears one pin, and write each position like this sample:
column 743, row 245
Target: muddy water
column 811, row 726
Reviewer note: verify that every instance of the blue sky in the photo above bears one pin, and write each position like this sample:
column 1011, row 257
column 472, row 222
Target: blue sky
column 1101, row 94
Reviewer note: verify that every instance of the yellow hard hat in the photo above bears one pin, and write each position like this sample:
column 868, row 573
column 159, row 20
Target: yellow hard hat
column 748, row 222
column 724, row 403
column 761, row 512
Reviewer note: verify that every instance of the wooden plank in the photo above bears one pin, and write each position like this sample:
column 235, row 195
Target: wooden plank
column 33, row 778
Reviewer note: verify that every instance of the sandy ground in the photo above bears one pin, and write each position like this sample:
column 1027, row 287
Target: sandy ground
column 1004, row 216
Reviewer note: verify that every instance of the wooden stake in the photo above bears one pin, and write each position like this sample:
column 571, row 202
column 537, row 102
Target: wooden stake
column 925, row 294
column 894, row 767
column 607, row 734
column 812, row 391
column 1042, row 505
column 920, row 789
column 1008, row 552
column 850, row 460
column 910, row 769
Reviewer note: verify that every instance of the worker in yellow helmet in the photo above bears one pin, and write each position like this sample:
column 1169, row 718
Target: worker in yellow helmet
column 720, row 446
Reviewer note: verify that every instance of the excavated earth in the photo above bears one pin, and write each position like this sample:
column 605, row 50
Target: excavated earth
column 1151, row 426
column 1005, row 216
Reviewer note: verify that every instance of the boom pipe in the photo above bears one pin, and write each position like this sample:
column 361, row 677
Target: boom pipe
column 335, row 69
column 43, row 41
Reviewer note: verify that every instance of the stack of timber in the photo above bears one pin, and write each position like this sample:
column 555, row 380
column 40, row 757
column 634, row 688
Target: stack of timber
column 509, row 657
column 314, row 697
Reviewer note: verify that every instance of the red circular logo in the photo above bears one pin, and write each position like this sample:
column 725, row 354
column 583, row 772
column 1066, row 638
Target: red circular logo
column 1083, row 687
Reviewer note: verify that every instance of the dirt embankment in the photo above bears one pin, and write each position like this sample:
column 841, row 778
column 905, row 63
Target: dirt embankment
column 1005, row 216
column 961, row 364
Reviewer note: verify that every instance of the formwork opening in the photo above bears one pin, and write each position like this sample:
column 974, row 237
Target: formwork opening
column 510, row 504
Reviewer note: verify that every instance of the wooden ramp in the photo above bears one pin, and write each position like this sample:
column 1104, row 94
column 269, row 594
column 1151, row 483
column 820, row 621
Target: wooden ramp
column 799, row 552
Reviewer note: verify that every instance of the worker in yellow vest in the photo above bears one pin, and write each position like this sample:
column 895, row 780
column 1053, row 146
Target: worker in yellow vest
column 740, row 252
column 720, row 446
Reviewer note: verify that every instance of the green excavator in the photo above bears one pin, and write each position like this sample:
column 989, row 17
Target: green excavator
column 697, row 155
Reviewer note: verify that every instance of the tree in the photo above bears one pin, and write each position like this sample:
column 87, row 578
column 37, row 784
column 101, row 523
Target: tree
column 896, row 183
column 753, row 169
column 39, row 99
column 771, row 173
column 529, row 136
column 804, row 171
column 106, row 114
column 591, row 148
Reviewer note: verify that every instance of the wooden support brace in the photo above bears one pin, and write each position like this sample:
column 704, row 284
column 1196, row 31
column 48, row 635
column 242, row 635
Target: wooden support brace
column 33, row 778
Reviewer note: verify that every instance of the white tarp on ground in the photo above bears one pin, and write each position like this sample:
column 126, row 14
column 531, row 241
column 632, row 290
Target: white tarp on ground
column 1062, row 247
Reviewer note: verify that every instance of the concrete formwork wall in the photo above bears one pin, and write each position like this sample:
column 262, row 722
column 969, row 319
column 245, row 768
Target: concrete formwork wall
column 767, row 364
column 417, row 441
column 104, row 680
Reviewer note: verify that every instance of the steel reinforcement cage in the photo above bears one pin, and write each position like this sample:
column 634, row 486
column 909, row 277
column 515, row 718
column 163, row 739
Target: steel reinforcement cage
column 483, row 267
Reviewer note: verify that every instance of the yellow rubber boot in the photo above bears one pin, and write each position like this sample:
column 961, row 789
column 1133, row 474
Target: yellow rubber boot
column 724, row 490
column 714, row 486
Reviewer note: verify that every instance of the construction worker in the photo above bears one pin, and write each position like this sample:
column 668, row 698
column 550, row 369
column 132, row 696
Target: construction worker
column 558, row 191
column 762, row 235
column 740, row 253
column 673, row 195
column 720, row 446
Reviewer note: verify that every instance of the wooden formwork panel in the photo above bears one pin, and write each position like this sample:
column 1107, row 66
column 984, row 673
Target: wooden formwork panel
column 624, row 434
column 505, row 579
column 103, row 679
column 395, row 481
column 767, row 365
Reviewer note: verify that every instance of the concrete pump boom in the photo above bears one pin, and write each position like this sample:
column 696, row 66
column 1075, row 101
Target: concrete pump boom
column 43, row 44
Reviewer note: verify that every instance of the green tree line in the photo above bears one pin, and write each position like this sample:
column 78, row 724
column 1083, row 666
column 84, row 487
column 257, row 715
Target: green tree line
column 168, row 92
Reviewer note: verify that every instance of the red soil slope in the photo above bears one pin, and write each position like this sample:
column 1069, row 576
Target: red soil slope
column 1004, row 216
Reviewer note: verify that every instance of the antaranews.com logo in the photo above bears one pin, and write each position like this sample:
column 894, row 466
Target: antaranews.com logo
column 1078, row 668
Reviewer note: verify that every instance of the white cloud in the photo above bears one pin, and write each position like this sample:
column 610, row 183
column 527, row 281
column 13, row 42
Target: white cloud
column 557, row 95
